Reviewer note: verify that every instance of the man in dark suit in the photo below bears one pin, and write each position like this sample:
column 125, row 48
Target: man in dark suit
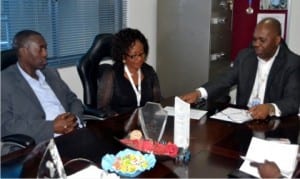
column 266, row 74
column 34, row 99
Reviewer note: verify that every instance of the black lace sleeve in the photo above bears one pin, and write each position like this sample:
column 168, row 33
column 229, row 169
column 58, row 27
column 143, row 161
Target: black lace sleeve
column 157, row 97
column 105, row 82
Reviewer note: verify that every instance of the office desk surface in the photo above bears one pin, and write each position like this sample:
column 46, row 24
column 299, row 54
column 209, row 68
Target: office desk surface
column 215, row 146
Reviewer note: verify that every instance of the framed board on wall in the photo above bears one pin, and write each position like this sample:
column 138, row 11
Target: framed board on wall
column 244, row 24
column 273, row 4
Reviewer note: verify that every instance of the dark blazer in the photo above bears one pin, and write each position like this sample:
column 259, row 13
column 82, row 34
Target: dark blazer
column 21, row 111
column 116, row 95
column 283, row 85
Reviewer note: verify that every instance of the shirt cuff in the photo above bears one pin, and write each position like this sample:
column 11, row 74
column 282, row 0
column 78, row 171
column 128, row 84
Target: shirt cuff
column 57, row 134
column 80, row 123
column 203, row 92
column 277, row 110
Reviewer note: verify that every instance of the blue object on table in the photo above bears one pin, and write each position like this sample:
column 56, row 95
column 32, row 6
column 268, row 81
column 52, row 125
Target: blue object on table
column 183, row 157
column 108, row 160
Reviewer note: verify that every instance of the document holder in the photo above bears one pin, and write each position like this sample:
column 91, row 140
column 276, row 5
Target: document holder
column 153, row 119
column 51, row 165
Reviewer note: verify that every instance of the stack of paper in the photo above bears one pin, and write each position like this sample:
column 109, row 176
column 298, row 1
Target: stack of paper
column 233, row 115
column 93, row 172
column 284, row 155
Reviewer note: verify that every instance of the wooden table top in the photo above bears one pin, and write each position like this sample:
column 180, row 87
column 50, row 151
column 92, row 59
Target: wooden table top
column 215, row 145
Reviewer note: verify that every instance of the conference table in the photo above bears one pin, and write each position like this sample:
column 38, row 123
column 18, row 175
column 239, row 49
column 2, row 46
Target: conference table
column 215, row 145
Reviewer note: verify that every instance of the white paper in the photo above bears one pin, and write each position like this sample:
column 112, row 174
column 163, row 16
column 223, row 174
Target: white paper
column 194, row 113
column 182, row 123
column 284, row 155
column 233, row 115
column 92, row 172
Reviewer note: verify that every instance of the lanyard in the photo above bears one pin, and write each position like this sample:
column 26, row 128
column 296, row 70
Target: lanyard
column 137, row 91
column 260, row 83
column 262, row 75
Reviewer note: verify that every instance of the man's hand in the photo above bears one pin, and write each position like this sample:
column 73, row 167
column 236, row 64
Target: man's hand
column 261, row 111
column 267, row 169
column 191, row 97
column 65, row 123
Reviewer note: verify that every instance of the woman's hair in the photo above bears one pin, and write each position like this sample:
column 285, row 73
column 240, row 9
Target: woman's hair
column 124, row 40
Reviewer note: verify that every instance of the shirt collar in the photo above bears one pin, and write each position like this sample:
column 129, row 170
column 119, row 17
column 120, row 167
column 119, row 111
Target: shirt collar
column 40, row 75
column 271, row 59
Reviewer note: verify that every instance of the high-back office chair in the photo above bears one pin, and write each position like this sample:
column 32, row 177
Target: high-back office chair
column 8, row 57
column 12, row 142
column 88, row 69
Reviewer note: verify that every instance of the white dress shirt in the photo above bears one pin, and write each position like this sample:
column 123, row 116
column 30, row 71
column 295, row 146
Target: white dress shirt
column 260, row 83
column 48, row 100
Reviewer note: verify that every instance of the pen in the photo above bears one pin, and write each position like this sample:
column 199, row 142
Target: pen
column 239, row 116
column 229, row 117
column 226, row 115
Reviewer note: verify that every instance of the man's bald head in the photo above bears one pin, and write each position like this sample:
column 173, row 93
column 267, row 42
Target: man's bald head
column 272, row 23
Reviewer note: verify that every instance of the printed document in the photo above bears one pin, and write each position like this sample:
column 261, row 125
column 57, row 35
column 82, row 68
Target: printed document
column 233, row 115
column 284, row 155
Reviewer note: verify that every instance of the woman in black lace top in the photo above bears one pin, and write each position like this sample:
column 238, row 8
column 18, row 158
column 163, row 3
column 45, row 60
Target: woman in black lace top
column 130, row 82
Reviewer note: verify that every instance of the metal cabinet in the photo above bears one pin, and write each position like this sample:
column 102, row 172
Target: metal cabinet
column 190, row 34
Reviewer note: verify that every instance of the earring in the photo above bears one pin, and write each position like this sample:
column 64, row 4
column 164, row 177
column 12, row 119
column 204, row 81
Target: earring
column 124, row 61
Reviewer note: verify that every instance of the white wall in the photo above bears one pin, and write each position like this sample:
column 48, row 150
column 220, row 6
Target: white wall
column 142, row 15
column 293, row 37
column 71, row 77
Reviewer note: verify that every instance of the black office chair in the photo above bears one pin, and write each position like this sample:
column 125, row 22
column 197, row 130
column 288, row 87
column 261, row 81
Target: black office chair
column 8, row 57
column 89, row 69
column 15, row 141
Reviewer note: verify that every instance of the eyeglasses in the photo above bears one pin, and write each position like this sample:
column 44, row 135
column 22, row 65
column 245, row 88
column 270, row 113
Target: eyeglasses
column 133, row 57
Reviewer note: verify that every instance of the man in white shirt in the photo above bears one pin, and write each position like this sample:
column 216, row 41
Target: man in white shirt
column 34, row 99
column 267, row 76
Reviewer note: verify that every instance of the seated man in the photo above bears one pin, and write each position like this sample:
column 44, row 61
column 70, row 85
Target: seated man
column 267, row 75
column 34, row 99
